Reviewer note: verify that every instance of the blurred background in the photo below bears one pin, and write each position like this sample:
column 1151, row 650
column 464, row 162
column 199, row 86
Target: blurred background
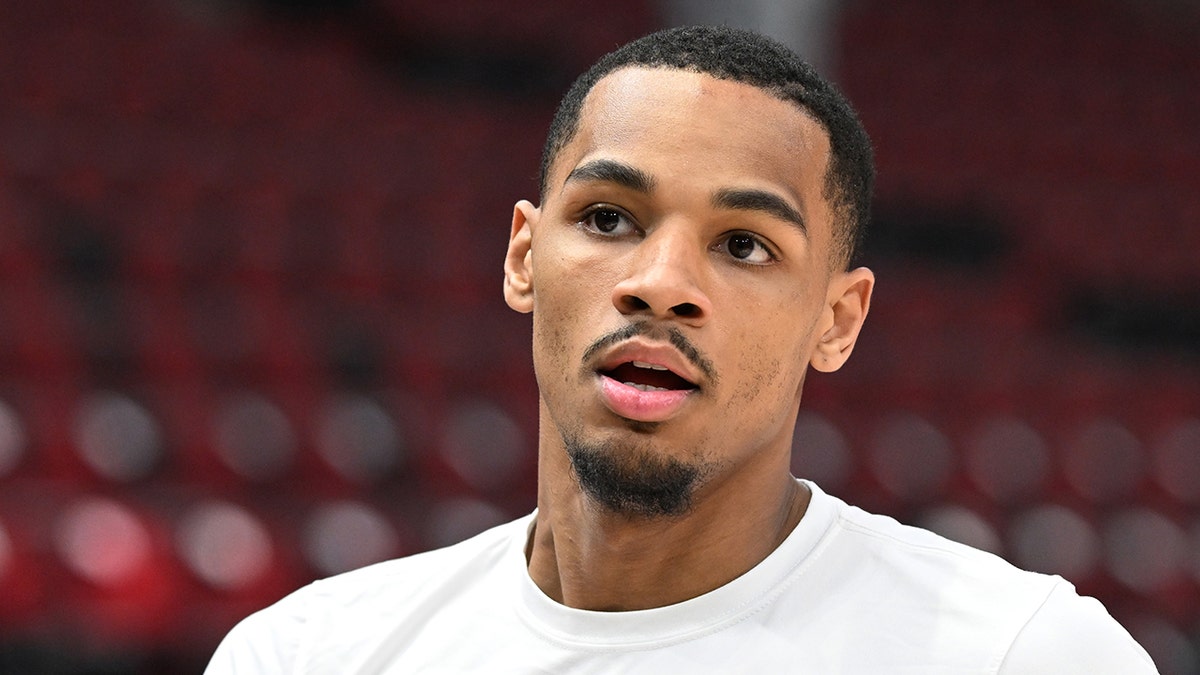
column 251, row 329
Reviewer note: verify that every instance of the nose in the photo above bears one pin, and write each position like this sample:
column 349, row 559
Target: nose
column 665, row 279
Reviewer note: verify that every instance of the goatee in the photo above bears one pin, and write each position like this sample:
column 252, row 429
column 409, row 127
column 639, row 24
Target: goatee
column 635, row 483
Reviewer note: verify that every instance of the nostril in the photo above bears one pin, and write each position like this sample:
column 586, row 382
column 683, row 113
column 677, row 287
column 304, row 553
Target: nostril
column 685, row 309
column 635, row 304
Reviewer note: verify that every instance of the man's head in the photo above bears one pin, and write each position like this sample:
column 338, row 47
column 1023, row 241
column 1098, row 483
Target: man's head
column 742, row 56
column 684, row 269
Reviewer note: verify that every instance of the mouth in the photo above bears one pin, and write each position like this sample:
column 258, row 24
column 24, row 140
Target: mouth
column 646, row 376
column 646, row 383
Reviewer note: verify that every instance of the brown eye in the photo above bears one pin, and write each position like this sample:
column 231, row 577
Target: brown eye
column 607, row 221
column 741, row 246
column 747, row 248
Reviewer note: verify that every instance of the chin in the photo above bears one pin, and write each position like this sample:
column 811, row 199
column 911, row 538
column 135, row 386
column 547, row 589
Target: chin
column 642, row 428
column 635, row 479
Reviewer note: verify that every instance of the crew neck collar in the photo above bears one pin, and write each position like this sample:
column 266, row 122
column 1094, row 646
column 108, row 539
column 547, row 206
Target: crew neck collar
column 707, row 613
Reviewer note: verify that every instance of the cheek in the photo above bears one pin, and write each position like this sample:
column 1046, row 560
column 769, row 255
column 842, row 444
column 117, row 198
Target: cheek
column 565, row 303
column 551, row 341
column 764, row 393
column 772, row 360
column 760, row 371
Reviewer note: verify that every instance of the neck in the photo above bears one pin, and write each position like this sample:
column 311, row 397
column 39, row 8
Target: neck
column 588, row 557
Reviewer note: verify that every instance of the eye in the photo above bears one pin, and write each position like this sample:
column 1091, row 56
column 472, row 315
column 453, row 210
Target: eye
column 747, row 248
column 606, row 221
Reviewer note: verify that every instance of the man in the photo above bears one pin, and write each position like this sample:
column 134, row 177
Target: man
column 702, row 193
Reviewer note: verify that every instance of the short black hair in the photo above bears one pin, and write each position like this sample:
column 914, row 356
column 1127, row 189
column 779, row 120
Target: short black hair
column 743, row 56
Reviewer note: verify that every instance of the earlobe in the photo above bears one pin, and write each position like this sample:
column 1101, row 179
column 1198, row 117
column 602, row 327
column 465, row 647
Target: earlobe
column 518, row 262
column 845, row 311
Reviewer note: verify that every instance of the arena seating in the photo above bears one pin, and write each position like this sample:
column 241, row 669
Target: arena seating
column 251, row 330
column 1063, row 368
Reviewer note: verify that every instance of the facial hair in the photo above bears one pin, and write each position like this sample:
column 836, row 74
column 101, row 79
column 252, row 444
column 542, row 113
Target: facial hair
column 635, row 482
column 633, row 479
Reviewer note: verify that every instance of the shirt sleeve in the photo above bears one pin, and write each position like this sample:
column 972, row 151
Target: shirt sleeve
column 268, row 641
column 1073, row 634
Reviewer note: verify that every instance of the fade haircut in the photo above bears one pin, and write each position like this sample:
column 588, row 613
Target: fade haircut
column 742, row 56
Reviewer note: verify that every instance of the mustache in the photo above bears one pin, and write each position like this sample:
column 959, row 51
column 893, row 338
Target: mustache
column 646, row 328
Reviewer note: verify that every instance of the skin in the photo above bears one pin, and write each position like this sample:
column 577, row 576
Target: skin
column 678, row 256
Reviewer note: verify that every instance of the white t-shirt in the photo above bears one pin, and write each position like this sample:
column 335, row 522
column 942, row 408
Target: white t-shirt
column 846, row 592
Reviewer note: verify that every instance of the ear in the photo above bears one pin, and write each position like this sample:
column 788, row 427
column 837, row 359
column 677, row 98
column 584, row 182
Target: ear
column 518, row 263
column 846, row 307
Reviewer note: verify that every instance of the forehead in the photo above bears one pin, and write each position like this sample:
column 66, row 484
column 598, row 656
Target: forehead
column 688, row 128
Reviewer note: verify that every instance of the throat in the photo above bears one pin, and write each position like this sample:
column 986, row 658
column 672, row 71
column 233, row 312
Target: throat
column 600, row 561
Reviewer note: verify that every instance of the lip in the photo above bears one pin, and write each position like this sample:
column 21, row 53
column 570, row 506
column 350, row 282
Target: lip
column 641, row 406
column 656, row 353
column 645, row 406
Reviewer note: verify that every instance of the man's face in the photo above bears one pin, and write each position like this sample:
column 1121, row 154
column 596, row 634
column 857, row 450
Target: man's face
column 679, row 276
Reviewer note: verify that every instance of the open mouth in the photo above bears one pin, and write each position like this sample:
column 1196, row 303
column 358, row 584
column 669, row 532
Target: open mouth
column 648, row 377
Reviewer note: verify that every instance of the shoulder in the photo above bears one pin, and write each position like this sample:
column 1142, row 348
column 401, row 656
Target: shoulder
column 973, row 605
column 966, row 605
column 1070, row 633
column 385, row 585
column 355, row 605
column 921, row 557
column 393, row 581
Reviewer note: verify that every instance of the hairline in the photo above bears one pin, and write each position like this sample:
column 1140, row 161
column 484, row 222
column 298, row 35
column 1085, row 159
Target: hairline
column 840, row 247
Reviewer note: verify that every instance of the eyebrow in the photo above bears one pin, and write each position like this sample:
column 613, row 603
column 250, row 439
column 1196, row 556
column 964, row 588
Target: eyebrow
column 759, row 200
column 742, row 199
column 612, row 171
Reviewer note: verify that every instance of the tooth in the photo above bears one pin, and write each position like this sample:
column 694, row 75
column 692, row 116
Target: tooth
column 651, row 366
column 645, row 387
